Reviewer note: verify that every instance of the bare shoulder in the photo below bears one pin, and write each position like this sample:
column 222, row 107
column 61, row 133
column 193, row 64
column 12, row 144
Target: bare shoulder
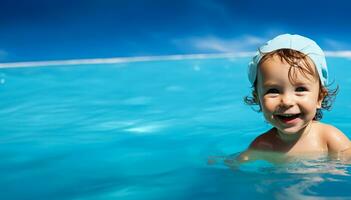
column 264, row 141
column 335, row 139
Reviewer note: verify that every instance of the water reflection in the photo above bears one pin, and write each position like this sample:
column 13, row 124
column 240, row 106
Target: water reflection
column 291, row 177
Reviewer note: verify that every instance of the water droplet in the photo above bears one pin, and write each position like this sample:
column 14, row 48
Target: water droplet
column 197, row 68
column 2, row 79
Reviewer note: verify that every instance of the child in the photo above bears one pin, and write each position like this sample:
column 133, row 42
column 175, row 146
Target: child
column 289, row 80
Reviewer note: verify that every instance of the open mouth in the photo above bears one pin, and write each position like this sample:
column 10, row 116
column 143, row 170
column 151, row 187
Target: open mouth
column 287, row 117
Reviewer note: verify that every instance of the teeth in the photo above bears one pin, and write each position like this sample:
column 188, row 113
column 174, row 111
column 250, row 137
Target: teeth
column 288, row 115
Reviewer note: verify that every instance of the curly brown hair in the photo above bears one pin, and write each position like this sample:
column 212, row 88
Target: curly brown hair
column 294, row 59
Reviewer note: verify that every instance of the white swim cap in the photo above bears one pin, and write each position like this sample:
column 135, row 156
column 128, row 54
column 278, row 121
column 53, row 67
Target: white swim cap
column 294, row 42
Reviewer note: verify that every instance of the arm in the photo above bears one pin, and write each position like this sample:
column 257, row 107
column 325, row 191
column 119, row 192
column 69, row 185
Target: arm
column 257, row 148
column 245, row 156
column 235, row 161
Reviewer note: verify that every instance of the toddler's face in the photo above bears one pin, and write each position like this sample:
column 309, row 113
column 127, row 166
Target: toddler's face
column 288, row 106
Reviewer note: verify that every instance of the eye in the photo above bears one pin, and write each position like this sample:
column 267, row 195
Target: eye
column 272, row 91
column 301, row 89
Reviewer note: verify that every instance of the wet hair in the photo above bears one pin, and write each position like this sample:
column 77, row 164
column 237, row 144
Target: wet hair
column 299, row 64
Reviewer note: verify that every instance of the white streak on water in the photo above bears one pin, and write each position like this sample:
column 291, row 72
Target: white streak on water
column 122, row 60
column 111, row 125
column 148, row 128
column 72, row 62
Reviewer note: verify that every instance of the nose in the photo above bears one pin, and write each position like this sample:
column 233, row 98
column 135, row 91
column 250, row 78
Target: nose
column 287, row 100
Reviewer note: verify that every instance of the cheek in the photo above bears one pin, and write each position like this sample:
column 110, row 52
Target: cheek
column 309, row 106
column 269, row 104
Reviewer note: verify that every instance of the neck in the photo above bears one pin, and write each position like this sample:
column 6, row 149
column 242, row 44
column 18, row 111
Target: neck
column 294, row 137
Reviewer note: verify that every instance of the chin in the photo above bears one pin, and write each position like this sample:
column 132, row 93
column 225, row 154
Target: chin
column 290, row 130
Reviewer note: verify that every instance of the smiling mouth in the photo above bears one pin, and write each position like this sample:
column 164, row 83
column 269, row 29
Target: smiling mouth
column 287, row 118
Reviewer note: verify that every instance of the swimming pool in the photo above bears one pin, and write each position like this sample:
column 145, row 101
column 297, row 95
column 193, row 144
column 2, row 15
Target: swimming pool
column 144, row 130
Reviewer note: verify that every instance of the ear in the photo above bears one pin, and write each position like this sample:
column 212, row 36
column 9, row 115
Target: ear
column 323, row 93
column 257, row 100
column 319, row 103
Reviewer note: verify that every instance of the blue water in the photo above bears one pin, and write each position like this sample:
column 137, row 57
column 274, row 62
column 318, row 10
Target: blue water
column 145, row 130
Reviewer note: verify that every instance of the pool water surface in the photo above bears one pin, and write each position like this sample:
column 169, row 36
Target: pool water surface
column 145, row 130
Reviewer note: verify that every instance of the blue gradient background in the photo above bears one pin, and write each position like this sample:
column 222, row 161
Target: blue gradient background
column 60, row 29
